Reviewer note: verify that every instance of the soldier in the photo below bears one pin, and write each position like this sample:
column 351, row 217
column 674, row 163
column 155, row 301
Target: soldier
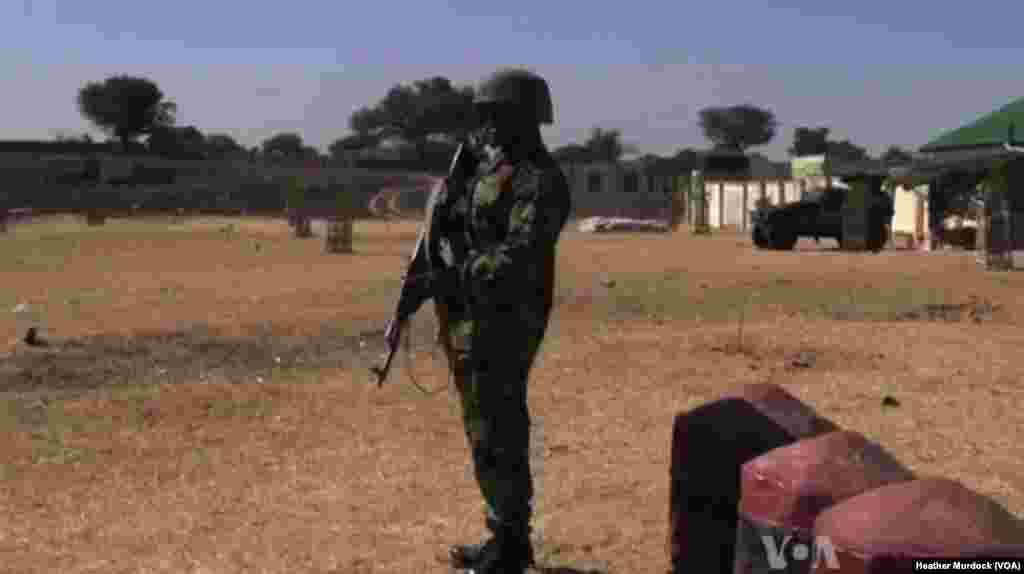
column 500, row 293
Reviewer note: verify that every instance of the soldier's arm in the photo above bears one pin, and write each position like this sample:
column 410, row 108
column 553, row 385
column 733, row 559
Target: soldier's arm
column 538, row 216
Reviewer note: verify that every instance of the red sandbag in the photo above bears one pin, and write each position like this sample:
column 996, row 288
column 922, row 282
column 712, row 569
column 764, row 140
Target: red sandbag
column 888, row 529
column 709, row 445
column 785, row 490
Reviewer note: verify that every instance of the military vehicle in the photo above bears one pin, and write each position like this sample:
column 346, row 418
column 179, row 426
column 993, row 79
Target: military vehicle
column 819, row 214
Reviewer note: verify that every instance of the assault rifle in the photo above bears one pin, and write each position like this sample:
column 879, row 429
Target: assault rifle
column 425, row 263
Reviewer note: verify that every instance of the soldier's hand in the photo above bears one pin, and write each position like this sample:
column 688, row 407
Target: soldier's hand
column 447, row 253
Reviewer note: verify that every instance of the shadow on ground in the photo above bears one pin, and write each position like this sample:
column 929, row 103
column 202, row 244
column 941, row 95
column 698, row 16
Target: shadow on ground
column 71, row 368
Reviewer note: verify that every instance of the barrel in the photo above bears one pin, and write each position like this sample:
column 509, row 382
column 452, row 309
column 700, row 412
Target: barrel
column 890, row 528
column 710, row 444
column 785, row 490
column 338, row 238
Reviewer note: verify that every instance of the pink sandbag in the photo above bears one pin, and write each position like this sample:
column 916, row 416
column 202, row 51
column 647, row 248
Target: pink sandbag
column 890, row 528
column 709, row 446
column 784, row 490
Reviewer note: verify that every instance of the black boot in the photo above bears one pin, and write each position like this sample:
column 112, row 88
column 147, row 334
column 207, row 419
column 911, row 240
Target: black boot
column 508, row 551
column 468, row 555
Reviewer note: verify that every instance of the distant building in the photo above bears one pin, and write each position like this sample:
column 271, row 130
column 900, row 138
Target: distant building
column 637, row 189
column 643, row 187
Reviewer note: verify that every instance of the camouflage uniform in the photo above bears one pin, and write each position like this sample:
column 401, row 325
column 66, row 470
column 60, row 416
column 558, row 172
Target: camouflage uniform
column 513, row 214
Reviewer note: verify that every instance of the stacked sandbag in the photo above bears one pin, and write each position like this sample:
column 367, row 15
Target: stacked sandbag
column 710, row 444
column 610, row 224
column 890, row 528
column 785, row 490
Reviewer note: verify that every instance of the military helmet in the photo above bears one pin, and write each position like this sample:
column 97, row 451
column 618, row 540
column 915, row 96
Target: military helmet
column 520, row 88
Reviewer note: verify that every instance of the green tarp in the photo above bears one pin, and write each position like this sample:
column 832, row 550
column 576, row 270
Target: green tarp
column 993, row 129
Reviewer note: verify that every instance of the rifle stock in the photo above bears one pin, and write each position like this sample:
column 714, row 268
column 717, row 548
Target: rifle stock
column 416, row 282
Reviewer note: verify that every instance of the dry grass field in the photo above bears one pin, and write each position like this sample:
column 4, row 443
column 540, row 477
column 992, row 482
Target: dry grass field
column 203, row 405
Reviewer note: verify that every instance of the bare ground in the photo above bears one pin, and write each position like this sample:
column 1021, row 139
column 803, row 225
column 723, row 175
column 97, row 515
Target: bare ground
column 203, row 403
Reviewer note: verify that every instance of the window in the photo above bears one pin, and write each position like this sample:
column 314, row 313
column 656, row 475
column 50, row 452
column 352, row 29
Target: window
column 631, row 183
column 594, row 182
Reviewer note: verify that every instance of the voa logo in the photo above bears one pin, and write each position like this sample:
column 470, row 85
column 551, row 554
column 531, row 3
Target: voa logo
column 781, row 552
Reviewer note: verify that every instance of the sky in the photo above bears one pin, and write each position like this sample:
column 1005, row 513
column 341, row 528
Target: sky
column 877, row 73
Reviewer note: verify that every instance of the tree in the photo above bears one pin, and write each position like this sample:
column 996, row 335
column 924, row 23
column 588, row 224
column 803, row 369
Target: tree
column 310, row 152
column 601, row 145
column 222, row 145
column 177, row 142
column 814, row 141
column 573, row 153
column 284, row 145
column 354, row 142
column 606, row 145
column 846, row 151
column 896, row 155
column 365, row 121
column 429, row 107
column 686, row 158
column 126, row 107
column 809, row 141
column 738, row 127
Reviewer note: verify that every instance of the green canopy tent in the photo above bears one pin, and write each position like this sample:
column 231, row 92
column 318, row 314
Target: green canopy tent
column 977, row 146
column 990, row 132
column 988, row 145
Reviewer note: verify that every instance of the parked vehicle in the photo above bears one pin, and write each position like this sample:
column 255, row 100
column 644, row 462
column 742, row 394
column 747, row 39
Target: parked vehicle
column 819, row 214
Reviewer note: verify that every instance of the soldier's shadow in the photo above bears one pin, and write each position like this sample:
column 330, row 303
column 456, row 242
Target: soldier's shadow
column 566, row 569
